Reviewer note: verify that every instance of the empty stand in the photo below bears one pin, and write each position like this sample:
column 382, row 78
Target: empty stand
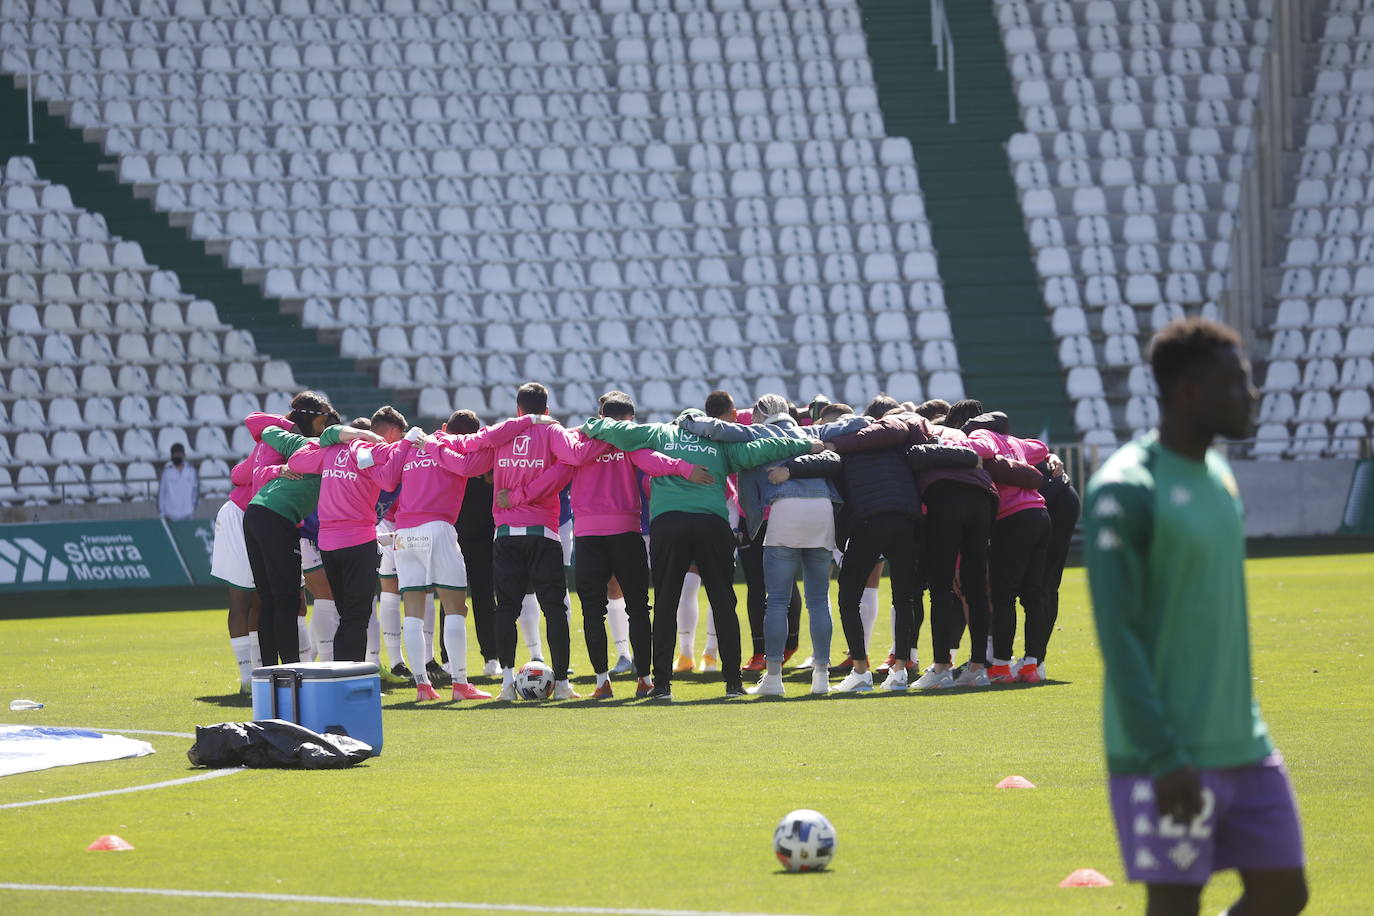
column 1320, row 369
column 1137, row 117
column 106, row 363
column 541, row 182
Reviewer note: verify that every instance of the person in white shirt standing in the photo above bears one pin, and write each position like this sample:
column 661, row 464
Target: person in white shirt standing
column 179, row 490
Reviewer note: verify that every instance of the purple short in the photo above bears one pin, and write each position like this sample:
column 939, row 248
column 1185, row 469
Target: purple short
column 1249, row 821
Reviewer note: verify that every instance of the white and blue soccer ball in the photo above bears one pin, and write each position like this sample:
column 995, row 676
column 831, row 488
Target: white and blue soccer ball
column 534, row 681
column 804, row 841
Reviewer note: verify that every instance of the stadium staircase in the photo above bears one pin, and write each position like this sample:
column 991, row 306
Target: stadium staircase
column 63, row 155
column 1005, row 346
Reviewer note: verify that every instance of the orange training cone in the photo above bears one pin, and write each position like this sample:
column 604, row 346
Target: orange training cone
column 109, row 843
column 1086, row 877
column 1016, row 782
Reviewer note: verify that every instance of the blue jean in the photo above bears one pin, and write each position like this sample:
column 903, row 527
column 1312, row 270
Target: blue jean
column 780, row 568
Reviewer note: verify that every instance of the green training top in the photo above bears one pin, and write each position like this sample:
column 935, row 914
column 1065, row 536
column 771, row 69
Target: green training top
column 678, row 494
column 293, row 499
column 1165, row 551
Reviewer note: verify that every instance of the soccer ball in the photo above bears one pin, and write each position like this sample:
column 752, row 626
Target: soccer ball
column 804, row 841
column 534, row 681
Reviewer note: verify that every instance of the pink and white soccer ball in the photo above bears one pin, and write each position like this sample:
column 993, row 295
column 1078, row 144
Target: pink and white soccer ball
column 534, row 681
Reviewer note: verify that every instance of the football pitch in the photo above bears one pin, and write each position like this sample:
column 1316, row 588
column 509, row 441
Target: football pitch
column 624, row 807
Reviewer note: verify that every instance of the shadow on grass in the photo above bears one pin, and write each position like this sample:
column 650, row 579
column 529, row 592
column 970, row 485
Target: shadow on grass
column 620, row 701
column 228, row 700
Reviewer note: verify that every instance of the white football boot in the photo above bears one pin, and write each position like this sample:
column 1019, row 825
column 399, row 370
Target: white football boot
column 855, row 682
column 934, row 678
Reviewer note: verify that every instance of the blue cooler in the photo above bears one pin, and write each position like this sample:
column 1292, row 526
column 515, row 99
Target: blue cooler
column 324, row 697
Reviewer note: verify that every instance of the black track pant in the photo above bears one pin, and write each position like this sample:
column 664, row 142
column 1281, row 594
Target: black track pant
column 756, row 594
column 477, row 557
column 677, row 540
column 530, row 562
column 1016, row 569
column 352, row 575
column 274, row 554
column 1064, row 512
column 893, row 536
column 958, row 524
column 598, row 558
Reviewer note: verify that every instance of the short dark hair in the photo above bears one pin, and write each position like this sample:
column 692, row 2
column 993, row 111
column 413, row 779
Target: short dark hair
column 833, row 412
column 389, row 416
column 1183, row 345
column 532, row 397
column 361, row 423
column 963, row 411
column 881, row 406
column 306, row 406
column 934, row 409
column 719, row 403
column 462, row 422
column 617, row 405
column 178, row 447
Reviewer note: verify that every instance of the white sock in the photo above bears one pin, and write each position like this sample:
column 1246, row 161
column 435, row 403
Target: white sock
column 255, row 650
column 374, row 638
column 244, row 656
column 429, row 629
column 389, row 618
column 507, row 677
column 324, row 623
column 1030, row 660
column 413, row 634
column 868, row 613
column 620, row 626
column 529, row 625
column 688, row 610
column 601, row 679
column 774, row 669
column 456, row 642
column 303, row 645
column 712, row 647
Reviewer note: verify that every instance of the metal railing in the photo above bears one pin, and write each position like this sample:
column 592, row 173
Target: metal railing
column 1263, row 195
column 943, row 40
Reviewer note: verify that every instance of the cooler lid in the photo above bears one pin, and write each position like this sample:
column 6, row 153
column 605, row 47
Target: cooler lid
column 319, row 671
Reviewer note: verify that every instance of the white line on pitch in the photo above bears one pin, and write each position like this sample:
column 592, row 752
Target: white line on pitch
column 199, row 777
column 366, row 901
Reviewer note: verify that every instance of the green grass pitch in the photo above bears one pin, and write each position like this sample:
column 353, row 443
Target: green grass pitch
column 623, row 805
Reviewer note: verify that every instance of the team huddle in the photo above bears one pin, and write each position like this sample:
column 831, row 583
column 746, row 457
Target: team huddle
column 953, row 503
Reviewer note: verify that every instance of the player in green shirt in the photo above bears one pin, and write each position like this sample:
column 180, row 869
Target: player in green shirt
column 689, row 527
column 1196, row 786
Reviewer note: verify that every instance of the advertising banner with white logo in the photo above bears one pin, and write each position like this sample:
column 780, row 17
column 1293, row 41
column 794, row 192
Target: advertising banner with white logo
column 83, row 555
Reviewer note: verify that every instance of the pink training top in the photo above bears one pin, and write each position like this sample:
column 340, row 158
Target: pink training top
column 606, row 496
column 348, row 492
column 432, row 485
column 987, row 444
column 518, row 463
column 242, row 478
column 266, row 461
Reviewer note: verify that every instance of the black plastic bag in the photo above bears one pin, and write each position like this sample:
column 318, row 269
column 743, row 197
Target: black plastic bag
column 273, row 743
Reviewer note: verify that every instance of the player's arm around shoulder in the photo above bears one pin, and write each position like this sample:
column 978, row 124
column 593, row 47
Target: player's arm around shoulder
column 624, row 434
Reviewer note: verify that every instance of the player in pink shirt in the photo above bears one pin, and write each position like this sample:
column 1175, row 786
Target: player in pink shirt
column 527, row 551
column 351, row 477
column 433, row 480
column 607, row 498
column 1016, row 557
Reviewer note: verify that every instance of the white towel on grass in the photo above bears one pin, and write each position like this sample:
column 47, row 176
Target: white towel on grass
column 27, row 748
